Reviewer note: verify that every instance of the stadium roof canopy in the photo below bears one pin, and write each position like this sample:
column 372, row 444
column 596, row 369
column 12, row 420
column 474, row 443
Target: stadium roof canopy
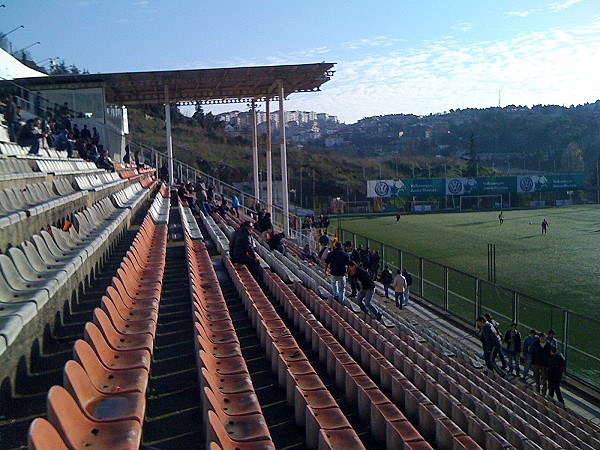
column 204, row 86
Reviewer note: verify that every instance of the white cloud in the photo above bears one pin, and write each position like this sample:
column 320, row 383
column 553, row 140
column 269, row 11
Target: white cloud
column 464, row 27
column 521, row 13
column 559, row 6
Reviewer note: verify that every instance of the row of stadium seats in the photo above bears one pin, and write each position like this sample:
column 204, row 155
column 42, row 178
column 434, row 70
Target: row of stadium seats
column 49, row 269
column 102, row 403
column 13, row 149
column 230, row 407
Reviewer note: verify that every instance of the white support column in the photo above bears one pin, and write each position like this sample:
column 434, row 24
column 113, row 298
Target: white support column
column 169, row 138
column 255, row 153
column 270, row 161
column 284, row 174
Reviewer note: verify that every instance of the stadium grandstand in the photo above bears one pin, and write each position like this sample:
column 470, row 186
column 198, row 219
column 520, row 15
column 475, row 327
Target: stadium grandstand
column 125, row 324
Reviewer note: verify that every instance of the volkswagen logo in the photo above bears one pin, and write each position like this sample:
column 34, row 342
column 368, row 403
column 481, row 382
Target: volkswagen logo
column 526, row 184
column 455, row 187
column 382, row 189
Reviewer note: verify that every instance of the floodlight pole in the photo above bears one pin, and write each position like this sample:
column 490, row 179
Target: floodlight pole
column 269, row 161
column 169, row 138
column 255, row 154
column 284, row 174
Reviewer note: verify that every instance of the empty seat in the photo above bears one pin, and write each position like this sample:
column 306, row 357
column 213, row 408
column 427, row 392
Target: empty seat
column 43, row 436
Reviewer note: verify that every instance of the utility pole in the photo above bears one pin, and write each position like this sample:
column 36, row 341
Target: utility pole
column 314, row 193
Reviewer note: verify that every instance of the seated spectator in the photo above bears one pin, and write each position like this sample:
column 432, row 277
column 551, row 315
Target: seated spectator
column 276, row 242
column 64, row 142
column 309, row 255
column 188, row 197
column 92, row 152
column 30, row 134
column 127, row 156
column 104, row 162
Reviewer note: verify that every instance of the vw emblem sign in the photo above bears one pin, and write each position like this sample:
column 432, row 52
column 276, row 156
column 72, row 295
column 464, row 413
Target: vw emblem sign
column 382, row 189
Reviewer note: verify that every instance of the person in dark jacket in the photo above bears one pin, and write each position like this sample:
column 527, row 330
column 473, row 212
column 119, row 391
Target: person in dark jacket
column 386, row 279
column 11, row 117
column 367, row 287
column 512, row 339
column 355, row 258
column 30, row 135
column 540, row 359
column 336, row 263
column 241, row 250
column 276, row 242
column 489, row 341
column 556, row 368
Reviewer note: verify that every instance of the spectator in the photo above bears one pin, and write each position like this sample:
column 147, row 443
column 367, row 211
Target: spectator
column 365, row 295
column 235, row 204
column 355, row 258
column 127, row 156
column 556, row 368
column 30, row 134
column 407, row 276
column 241, row 250
column 374, row 269
column 136, row 158
column 163, row 173
column 64, row 142
column 85, row 133
column 489, row 341
column 95, row 136
column 37, row 104
column 309, row 255
column 77, row 132
column 527, row 351
column 365, row 258
column 550, row 338
column 386, row 279
column 276, row 242
column 11, row 117
column 512, row 339
column 540, row 359
column 336, row 264
column 104, row 162
column 497, row 348
column 91, row 152
column 323, row 240
column 399, row 285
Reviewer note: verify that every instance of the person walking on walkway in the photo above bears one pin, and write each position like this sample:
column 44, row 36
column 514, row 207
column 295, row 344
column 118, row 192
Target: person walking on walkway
column 489, row 341
column 400, row 286
column 512, row 339
column 336, row 264
column 556, row 368
column 540, row 360
column 367, row 286
column 386, row 279
column 527, row 351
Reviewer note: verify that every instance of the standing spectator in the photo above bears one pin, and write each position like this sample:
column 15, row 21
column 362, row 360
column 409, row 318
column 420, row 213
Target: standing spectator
column 136, row 158
column 374, row 258
column 365, row 258
column 163, row 173
column 95, row 136
column 489, row 341
column 556, row 368
column 408, row 277
column 400, row 286
column 85, row 133
column 76, row 132
column 30, row 135
column 550, row 338
column 355, row 258
column 386, row 279
column 527, row 351
column 241, row 249
column 512, row 339
column 540, row 359
column 11, row 117
column 336, row 263
column 235, row 204
column 498, row 348
column 365, row 295
column 323, row 240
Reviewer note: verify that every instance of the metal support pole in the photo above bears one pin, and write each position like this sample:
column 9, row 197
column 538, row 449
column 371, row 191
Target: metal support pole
column 421, row 276
column 169, row 138
column 446, row 288
column 269, row 161
column 565, row 340
column 284, row 174
column 515, row 316
column 255, row 154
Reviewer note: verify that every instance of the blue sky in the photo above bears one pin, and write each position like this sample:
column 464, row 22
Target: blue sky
column 396, row 56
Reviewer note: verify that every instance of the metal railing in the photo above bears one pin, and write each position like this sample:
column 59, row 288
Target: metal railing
column 467, row 297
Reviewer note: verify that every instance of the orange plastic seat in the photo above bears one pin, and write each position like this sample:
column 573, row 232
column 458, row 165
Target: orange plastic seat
column 227, row 384
column 79, row 432
column 120, row 341
column 108, row 380
column 340, row 439
column 43, row 436
column 113, row 359
column 118, row 310
column 249, row 432
column 117, row 293
column 98, row 405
